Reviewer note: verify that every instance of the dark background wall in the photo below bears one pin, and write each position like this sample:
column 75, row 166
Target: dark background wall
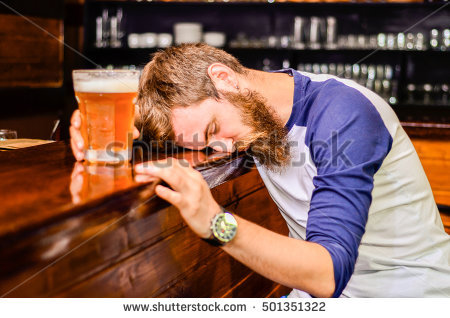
column 35, row 64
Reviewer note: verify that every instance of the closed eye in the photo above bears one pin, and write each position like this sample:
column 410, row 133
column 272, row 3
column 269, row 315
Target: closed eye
column 211, row 131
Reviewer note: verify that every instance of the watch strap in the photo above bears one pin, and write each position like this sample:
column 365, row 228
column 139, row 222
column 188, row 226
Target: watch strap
column 213, row 241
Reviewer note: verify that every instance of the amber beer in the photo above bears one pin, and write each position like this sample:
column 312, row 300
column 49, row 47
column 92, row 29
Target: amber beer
column 106, row 102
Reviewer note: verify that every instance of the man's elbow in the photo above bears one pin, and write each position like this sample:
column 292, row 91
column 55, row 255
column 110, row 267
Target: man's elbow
column 326, row 289
column 322, row 286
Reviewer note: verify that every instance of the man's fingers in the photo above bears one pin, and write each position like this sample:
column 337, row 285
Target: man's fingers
column 78, row 154
column 76, row 119
column 171, row 175
column 135, row 133
column 168, row 170
column 143, row 178
column 169, row 195
column 77, row 143
column 76, row 140
column 75, row 135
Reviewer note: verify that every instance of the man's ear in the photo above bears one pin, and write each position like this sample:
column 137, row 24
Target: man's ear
column 223, row 77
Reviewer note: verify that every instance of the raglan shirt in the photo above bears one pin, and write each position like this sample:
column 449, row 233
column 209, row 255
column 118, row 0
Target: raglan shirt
column 356, row 186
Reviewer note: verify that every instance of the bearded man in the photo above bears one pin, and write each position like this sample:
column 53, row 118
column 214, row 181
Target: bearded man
column 334, row 157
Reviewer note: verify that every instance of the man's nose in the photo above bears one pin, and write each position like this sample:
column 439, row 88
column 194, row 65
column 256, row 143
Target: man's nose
column 221, row 144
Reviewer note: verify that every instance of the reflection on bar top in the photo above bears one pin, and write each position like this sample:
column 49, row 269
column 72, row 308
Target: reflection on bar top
column 22, row 143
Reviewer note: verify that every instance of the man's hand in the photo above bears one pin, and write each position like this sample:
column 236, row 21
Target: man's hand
column 190, row 192
column 76, row 139
column 295, row 263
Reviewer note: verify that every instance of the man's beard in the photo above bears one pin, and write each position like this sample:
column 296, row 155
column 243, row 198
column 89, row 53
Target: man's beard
column 268, row 141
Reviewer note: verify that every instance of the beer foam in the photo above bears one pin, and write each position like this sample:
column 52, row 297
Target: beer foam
column 119, row 85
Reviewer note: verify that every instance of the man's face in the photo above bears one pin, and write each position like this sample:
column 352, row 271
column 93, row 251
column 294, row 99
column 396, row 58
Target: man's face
column 235, row 122
column 211, row 123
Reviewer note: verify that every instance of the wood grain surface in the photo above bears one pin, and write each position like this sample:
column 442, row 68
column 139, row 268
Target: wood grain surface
column 31, row 51
column 74, row 230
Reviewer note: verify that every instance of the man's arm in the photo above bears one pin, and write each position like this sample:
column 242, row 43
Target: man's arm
column 298, row 264
column 294, row 263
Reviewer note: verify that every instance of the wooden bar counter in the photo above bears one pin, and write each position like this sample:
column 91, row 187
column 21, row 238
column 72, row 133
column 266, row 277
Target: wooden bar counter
column 73, row 230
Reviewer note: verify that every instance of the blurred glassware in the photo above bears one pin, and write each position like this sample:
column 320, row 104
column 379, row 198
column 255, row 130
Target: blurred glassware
column 352, row 41
column 120, row 24
column 331, row 33
column 148, row 40
column 133, row 40
column 445, row 92
column 401, row 41
column 216, row 39
column 299, row 38
column 164, row 40
column 437, row 94
column 377, row 86
column 410, row 39
column 267, row 65
column 285, row 41
column 420, row 42
column 373, row 41
column 187, row 32
column 8, row 134
column 393, row 99
column 342, row 41
column 233, row 43
column 380, row 71
column 316, row 68
column 379, row 78
column 356, row 71
column 434, row 39
column 381, row 40
column 391, row 41
column 99, row 43
column 362, row 41
column 364, row 72
column 114, row 40
column 241, row 40
column 427, row 90
column 348, row 71
column 272, row 41
column 340, row 70
column 255, row 43
column 332, row 69
column 105, row 26
column 386, row 88
column 445, row 45
column 314, row 33
column 371, row 72
column 411, row 93
column 388, row 72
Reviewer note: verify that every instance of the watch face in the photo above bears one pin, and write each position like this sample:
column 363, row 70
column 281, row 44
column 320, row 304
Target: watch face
column 224, row 227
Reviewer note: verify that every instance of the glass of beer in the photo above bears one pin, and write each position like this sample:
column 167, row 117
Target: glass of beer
column 106, row 102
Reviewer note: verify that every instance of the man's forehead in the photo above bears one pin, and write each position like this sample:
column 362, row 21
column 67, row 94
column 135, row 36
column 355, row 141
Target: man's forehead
column 188, row 121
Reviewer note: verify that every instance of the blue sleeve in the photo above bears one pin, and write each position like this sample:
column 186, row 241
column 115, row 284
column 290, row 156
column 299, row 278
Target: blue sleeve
column 348, row 142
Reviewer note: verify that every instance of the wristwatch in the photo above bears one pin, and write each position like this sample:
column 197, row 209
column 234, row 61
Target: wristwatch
column 223, row 228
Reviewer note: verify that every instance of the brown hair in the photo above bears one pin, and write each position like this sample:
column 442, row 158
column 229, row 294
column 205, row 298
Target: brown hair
column 177, row 76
